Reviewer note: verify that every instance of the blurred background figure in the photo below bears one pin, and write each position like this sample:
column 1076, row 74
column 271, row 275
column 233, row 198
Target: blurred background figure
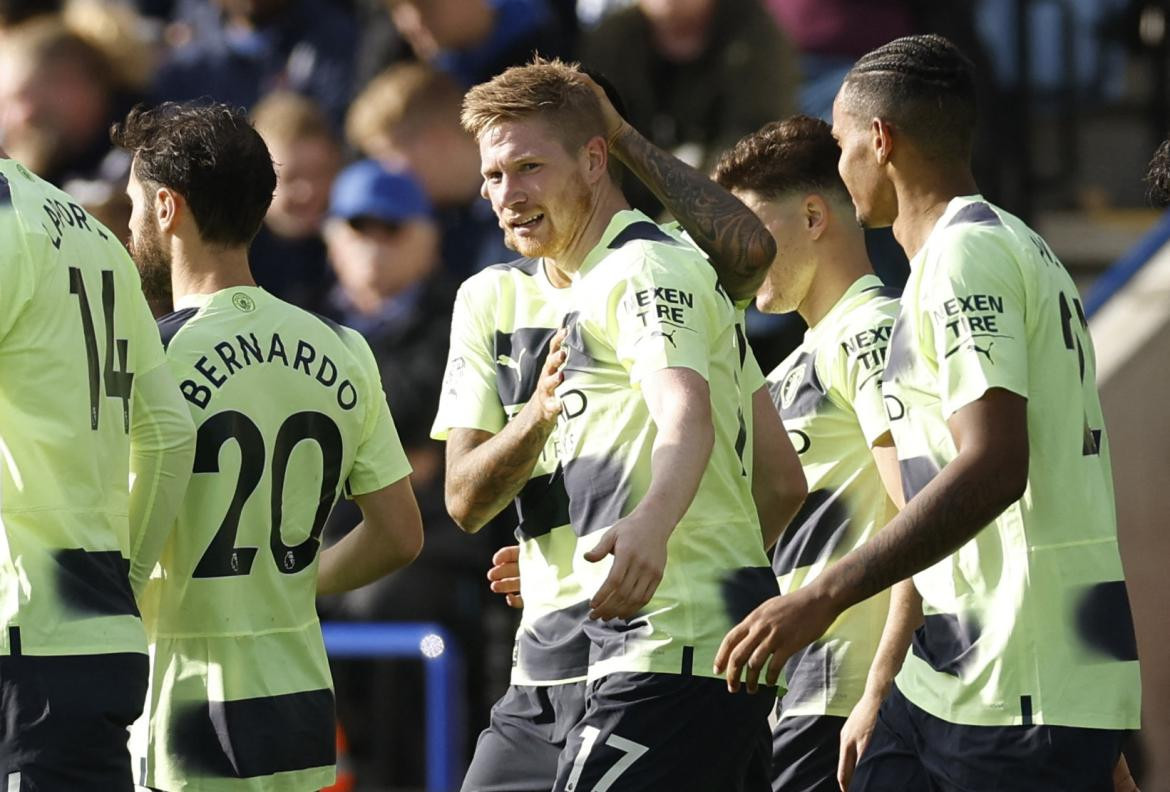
column 695, row 75
column 408, row 116
column 383, row 245
column 13, row 12
column 288, row 255
column 473, row 40
column 235, row 51
column 830, row 35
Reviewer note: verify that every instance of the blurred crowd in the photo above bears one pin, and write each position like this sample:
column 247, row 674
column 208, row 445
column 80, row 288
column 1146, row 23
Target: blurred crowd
column 377, row 215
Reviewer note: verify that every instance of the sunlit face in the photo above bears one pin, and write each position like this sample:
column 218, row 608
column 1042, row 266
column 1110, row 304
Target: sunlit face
column 152, row 257
column 788, row 279
column 305, row 172
column 537, row 189
column 871, row 190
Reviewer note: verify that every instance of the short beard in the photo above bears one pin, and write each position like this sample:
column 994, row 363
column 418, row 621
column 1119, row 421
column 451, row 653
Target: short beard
column 579, row 201
column 154, row 269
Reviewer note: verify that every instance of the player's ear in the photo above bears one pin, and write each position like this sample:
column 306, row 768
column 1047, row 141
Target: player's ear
column 168, row 205
column 881, row 140
column 816, row 216
column 596, row 155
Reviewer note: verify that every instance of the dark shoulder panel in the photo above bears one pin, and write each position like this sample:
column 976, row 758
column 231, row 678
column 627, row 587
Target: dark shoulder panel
column 171, row 323
column 5, row 191
column 641, row 230
column 529, row 266
column 336, row 327
column 977, row 214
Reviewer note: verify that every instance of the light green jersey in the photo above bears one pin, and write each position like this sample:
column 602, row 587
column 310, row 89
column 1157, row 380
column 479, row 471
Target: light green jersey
column 644, row 300
column 290, row 411
column 82, row 380
column 1028, row 622
column 503, row 321
column 828, row 392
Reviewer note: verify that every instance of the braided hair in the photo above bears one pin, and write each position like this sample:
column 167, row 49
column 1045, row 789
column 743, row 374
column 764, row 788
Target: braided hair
column 923, row 86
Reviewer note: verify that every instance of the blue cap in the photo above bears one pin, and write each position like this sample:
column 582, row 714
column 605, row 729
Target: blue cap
column 367, row 189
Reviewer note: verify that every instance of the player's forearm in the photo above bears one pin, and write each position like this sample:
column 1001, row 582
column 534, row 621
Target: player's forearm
column 740, row 247
column 681, row 451
column 905, row 614
column 970, row 492
column 483, row 479
column 162, row 449
column 361, row 557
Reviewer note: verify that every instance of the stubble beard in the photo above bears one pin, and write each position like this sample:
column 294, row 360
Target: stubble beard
column 154, row 266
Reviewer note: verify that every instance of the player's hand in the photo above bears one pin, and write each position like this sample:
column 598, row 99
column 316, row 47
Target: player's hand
column 505, row 575
column 774, row 631
column 614, row 123
column 855, row 736
column 545, row 400
column 638, row 546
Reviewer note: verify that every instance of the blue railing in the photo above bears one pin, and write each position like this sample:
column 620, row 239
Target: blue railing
column 439, row 654
column 1115, row 278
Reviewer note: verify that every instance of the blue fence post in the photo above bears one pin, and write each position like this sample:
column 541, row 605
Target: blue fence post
column 439, row 654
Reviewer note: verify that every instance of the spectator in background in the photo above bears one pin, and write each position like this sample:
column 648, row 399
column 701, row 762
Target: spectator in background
column 288, row 255
column 383, row 244
column 58, row 97
column 13, row 12
column 238, row 50
column 409, row 116
column 830, row 35
column 473, row 40
column 695, row 75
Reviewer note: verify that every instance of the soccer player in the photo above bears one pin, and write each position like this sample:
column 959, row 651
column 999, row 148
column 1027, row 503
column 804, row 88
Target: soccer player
column 497, row 413
column 828, row 391
column 1024, row 674
column 86, row 404
column 290, row 414
column 653, row 427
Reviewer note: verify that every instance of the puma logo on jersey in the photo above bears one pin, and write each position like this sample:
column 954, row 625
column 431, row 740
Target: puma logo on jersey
column 986, row 352
column 505, row 360
column 668, row 336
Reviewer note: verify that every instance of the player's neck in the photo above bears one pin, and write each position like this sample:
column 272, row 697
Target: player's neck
column 840, row 265
column 609, row 202
column 922, row 198
column 206, row 270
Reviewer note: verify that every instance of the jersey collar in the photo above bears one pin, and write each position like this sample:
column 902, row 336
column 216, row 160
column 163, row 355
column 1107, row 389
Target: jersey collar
column 865, row 283
column 617, row 224
column 200, row 300
column 953, row 207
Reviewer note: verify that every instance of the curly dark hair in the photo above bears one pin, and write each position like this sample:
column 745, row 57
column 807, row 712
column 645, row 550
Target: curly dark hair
column 210, row 154
column 924, row 86
column 1158, row 177
column 787, row 156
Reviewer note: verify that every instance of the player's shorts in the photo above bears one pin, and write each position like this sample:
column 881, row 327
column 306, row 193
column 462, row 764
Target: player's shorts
column 518, row 750
column 804, row 753
column 911, row 750
column 646, row 732
column 64, row 721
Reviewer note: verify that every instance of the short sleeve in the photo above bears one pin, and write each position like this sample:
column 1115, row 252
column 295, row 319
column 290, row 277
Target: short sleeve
column 380, row 459
column 470, row 398
column 976, row 311
column 752, row 377
column 861, row 358
column 663, row 317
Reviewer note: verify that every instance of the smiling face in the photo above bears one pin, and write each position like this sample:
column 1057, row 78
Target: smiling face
column 537, row 189
column 864, row 174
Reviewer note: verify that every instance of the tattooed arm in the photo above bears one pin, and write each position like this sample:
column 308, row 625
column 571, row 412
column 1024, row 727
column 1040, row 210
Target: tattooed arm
column 486, row 471
column 740, row 247
column 989, row 473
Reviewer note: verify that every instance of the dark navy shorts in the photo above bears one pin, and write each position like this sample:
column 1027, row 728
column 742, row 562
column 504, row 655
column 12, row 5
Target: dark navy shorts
column 518, row 750
column 804, row 753
column 913, row 751
column 671, row 732
column 64, row 721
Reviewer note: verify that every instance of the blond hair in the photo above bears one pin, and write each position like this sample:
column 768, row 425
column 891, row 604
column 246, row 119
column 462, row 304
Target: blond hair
column 402, row 100
column 545, row 89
